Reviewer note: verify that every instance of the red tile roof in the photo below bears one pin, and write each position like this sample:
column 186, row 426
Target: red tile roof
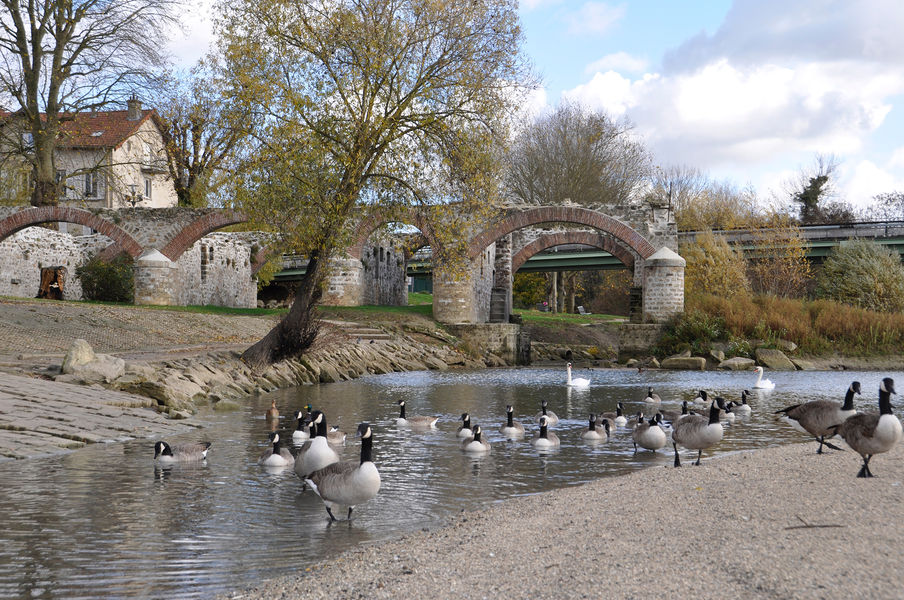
column 106, row 129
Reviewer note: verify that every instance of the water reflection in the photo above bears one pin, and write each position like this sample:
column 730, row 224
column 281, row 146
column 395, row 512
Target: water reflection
column 104, row 521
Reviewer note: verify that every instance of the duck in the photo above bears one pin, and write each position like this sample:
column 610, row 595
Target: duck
column 551, row 418
column 870, row 433
column 819, row 417
column 512, row 429
column 652, row 397
column 762, row 384
column 276, row 456
column 648, row 435
column 316, row 452
column 272, row 412
column 696, row 432
column 617, row 418
column 416, row 421
column 597, row 431
column 545, row 438
column 348, row 483
column 577, row 382
column 476, row 444
column 166, row 454
column 336, row 436
column 465, row 430
column 301, row 432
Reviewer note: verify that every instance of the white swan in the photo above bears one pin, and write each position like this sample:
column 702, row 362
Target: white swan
column 762, row 384
column 578, row 382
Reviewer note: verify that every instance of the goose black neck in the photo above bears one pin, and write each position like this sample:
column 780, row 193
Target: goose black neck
column 477, row 436
column 592, row 423
column 321, row 427
column 618, row 411
column 884, row 402
column 401, row 411
column 466, row 423
column 511, row 421
column 543, row 429
column 848, row 400
column 276, row 447
column 713, row 413
column 300, row 426
column 367, row 445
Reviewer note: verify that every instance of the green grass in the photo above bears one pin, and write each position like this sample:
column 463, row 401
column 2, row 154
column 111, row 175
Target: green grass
column 535, row 317
column 418, row 298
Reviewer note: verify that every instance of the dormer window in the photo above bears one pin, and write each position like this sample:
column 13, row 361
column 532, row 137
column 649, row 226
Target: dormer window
column 97, row 134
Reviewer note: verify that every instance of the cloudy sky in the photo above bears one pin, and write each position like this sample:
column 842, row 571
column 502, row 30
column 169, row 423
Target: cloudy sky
column 746, row 90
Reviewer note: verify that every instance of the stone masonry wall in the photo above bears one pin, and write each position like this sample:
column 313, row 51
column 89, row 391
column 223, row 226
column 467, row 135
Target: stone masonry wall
column 379, row 278
column 663, row 295
column 216, row 270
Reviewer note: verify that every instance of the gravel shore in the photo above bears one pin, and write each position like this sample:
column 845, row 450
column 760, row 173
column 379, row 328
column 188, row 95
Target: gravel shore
column 776, row 523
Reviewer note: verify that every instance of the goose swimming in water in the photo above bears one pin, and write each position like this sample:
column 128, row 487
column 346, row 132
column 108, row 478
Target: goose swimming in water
column 316, row 452
column 348, row 483
column 416, row 421
column 512, row 429
column 465, row 430
column 302, row 426
column 166, row 454
column 617, row 418
column 648, row 435
column 820, row 417
column 551, row 418
column 578, row 382
column 597, row 430
column 275, row 455
column 545, row 438
column 872, row 433
column 477, row 443
column 762, row 384
column 652, row 397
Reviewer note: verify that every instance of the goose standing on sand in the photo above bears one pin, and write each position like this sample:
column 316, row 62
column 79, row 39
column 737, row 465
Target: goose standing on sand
column 652, row 397
column 476, row 444
column 577, row 382
column 762, row 384
column 465, row 430
column 416, row 421
column 512, row 430
column 276, row 455
column 617, row 418
column 166, row 454
column 697, row 432
column 873, row 433
column 315, row 453
column 648, row 435
column 302, row 426
column 551, row 418
column 820, row 417
column 597, row 430
column 347, row 483
column 545, row 438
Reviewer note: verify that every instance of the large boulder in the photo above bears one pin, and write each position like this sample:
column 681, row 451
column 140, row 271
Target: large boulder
column 774, row 359
column 688, row 363
column 738, row 363
column 83, row 364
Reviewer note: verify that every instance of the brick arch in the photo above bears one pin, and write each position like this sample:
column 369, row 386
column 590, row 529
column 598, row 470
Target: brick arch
column 66, row 214
column 198, row 228
column 603, row 242
column 560, row 214
column 370, row 224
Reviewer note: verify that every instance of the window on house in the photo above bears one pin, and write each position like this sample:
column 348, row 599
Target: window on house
column 148, row 155
column 148, row 186
column 28, row 140
column 91, row 185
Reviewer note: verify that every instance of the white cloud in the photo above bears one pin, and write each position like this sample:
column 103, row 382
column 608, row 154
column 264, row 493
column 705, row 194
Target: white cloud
column 194, row 39
column 619, row 61
column 609, row 91
column 595, row 17
column 897, row 158
column 865, row 180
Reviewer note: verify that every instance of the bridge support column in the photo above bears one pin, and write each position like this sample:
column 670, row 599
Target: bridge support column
column 463, row 296
column 345, row 284
column 156, row 279
column 501, row 298
column 663, row 286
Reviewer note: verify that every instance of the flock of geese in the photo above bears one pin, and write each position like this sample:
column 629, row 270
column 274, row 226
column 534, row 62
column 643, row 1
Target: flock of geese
column 350, row 483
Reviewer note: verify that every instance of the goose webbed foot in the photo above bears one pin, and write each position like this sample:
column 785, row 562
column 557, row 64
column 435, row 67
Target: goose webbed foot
column 332, row 517
column 864, row 470
column 349, row 513
column 677, row 458
column 819, row 450
column 699, row 454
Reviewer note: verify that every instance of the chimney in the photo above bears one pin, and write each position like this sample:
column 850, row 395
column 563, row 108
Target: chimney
column 134, row 105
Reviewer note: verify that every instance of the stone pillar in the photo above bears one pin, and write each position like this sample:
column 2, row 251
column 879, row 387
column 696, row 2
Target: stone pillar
column 501, row 300
column 344, row 286
column 463, row 295
column 156, row 279
column 663, row 286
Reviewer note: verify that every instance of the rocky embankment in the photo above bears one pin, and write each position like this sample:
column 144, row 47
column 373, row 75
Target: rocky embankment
column 221, row 380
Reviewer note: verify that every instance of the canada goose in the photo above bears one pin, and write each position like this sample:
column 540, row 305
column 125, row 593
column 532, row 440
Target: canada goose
column 743, row 408
column 870, row 433
column 819, row 417
column 347, row 483
column 697, row 432
column 512, row 429
column 301, row 428
column 578, row 382
column 272, row 412
column 633, row 421
column 673, row 415
column 617, row 418
column 465, row 430
column 316, row 452
column 275, row 456
column 762, row 384
column 551, row 418
column 166, row 454
column 652, row 397
column 648, row 435
column 545, row 438
column 725, row 410
column 416, row 421
column 477, row 443
column 701, row 398
column 335, row 436
column 596, row 431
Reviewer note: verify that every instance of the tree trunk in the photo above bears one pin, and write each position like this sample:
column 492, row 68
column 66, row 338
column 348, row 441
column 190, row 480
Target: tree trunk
column 44, row 193
column 298, row 329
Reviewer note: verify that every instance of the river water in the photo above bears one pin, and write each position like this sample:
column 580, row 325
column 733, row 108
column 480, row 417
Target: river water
column 106, row 522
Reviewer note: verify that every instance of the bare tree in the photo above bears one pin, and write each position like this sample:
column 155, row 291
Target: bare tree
column 576, row 154
column 677, row 185
column 59, row 57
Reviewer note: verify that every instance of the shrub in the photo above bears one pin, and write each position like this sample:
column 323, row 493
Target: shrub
column 863, row 274
column 111, row 281
column 714, row 267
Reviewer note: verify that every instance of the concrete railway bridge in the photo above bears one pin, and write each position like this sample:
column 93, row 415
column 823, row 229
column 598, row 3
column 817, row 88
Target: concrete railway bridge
column 642, row 237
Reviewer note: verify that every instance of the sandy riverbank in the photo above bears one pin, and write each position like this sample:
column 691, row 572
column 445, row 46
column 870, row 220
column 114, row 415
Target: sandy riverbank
column 776, row 523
